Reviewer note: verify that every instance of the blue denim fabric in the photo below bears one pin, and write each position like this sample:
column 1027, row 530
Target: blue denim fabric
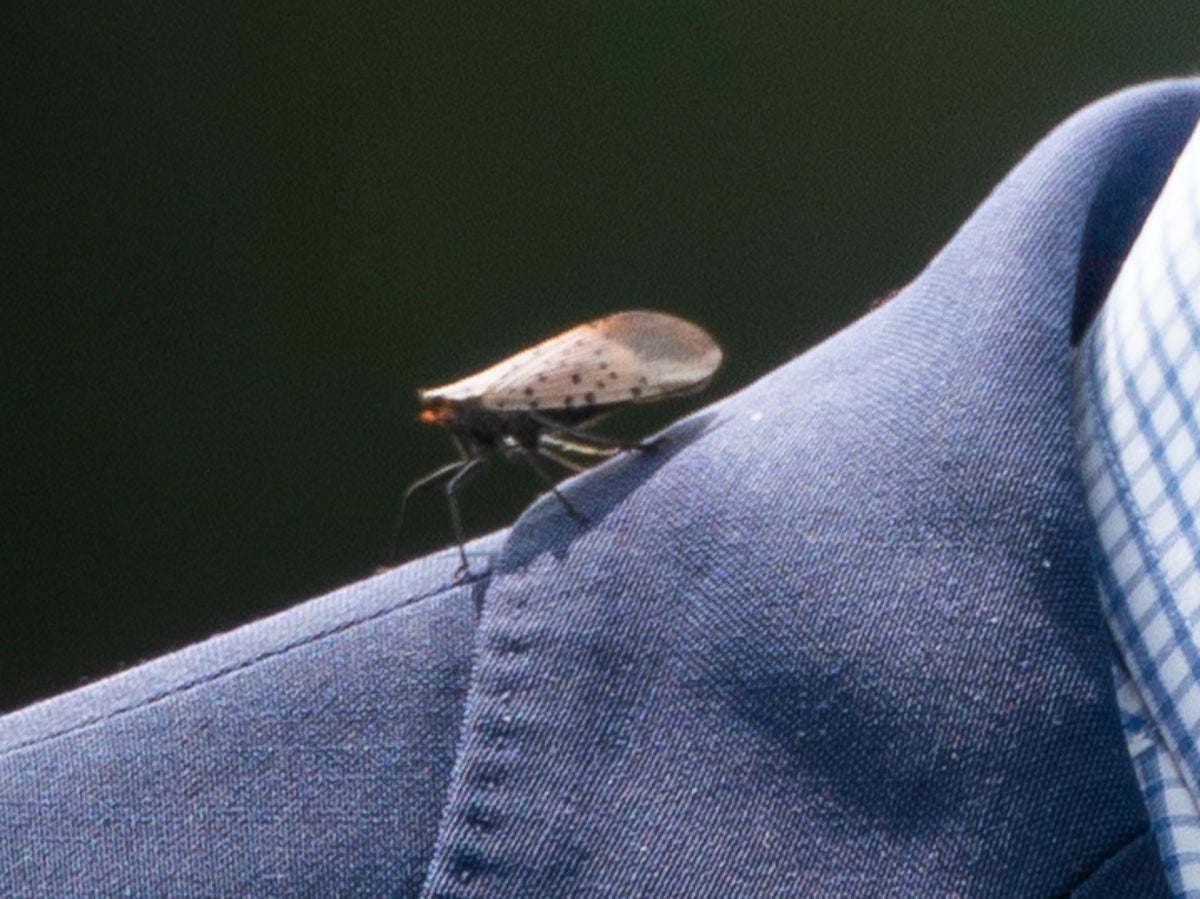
column 837, row 636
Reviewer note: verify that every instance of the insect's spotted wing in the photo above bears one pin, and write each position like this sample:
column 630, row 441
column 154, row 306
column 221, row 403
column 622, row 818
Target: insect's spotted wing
column 626, row 357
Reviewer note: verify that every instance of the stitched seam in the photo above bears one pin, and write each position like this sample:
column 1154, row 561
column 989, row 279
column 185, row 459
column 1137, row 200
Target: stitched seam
column 221, row 673
column 463, row 865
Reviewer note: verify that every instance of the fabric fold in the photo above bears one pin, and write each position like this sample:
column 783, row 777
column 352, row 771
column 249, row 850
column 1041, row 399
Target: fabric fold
column 841, row 636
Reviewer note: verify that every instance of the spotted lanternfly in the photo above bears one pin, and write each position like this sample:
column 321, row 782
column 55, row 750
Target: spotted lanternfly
column 534, row 405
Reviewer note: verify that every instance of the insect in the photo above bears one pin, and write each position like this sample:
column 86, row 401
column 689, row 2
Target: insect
column 535, row 405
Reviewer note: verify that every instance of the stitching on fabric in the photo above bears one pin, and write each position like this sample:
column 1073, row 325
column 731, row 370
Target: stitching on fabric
column 485, row 772
column 221, row 673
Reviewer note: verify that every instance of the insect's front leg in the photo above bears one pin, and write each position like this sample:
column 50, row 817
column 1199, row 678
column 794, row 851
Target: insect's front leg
column 466, row 472
column 450, row 479
column 435, row 479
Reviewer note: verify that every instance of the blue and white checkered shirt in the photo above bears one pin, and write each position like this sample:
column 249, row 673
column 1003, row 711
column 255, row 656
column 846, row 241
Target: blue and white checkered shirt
column 1137, row 388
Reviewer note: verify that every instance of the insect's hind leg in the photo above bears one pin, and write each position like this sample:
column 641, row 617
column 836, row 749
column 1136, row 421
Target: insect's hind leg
column 530, row 456
column 555, row 456
column 582, row 441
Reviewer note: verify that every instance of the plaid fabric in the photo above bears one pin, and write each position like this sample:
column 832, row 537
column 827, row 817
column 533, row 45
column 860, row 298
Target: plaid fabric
column 1138, row 426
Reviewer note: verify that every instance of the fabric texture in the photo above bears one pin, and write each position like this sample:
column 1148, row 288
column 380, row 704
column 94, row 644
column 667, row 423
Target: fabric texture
column 878, row 602
column 304, row 755
column 1138, row 399
column 838, row 636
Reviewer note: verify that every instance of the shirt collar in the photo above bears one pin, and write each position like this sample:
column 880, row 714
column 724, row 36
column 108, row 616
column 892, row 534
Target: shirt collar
column 1137, row 389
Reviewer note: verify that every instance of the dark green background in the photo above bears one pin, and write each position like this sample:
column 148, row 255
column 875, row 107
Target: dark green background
column 237, row 239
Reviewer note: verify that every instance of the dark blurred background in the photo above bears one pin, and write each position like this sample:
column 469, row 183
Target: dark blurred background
column 236, row 239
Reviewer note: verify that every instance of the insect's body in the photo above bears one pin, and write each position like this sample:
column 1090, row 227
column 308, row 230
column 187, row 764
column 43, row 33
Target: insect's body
column 535, row 403
column 484, row 429
column 489, row 429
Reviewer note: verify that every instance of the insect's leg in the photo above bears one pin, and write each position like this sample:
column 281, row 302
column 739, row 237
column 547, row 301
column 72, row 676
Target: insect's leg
column 434, row 479
column 548, row 481
column 593, row 444
column 555, row 456
column 466, row 471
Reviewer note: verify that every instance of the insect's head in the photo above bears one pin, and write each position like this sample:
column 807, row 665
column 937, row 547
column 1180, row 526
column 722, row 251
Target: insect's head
column 436, row 410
